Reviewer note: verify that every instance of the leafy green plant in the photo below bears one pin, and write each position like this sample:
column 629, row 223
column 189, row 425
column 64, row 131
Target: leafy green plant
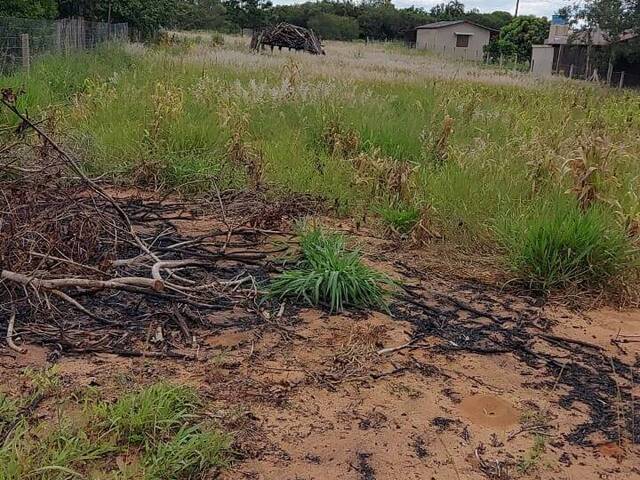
column 147, row 415
column 330, row 274
column 565, row 246
column 190, row 452
column 399, row 218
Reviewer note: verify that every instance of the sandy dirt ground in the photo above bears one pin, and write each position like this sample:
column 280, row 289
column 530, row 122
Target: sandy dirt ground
column 459, row 380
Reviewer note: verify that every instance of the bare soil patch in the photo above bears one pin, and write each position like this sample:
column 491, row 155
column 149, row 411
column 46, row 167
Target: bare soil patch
column 457, row 381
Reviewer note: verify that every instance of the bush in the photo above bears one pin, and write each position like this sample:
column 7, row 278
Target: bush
column 564, row 246
column 330, row 274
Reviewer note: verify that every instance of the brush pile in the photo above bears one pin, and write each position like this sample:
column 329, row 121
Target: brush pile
column 287, row 36
column 85, row 268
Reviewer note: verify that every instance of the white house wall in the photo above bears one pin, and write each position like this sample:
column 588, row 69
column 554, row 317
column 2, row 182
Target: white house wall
column 443, row 40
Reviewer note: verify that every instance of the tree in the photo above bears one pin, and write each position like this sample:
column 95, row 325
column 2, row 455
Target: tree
column 143, row 16
column 381, row 21
column 29, row 8
column 517, row 37
column 334, row 27
column 454, row 10
column 248, row 13
column 615, row 18
column 612, row 16
column 202, row 15
column 495, row 20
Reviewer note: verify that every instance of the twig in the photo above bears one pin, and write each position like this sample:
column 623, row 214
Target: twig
column 5, row 99
column 399, row 347
column 450, row 458
column 556, row 338
column 56, row 283
column 10, row 342
column 618, row 401
column 66, row 260
column 78, row 306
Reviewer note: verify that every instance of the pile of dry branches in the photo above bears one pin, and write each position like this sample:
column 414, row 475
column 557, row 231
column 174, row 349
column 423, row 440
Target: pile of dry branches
column 88, row 269
column 288, row 36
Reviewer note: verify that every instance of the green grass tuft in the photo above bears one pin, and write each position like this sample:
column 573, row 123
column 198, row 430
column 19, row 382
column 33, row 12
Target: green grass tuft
column 9, row 409
column 52, row 452
column 189, row 453
column 399, row 218
column 156, row 429
column 566, row 247
column 330, row 274
column 146, row 416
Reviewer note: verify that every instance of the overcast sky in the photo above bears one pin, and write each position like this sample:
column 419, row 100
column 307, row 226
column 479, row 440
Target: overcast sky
column 527, row 7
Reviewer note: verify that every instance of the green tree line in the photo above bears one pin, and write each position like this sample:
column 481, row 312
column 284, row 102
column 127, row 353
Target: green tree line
column 332, row 19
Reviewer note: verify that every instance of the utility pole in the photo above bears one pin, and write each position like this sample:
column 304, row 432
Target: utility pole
column 517, row 5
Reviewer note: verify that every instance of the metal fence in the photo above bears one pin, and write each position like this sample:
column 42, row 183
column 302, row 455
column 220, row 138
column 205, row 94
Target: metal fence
column 23, row 39
column 605, row 76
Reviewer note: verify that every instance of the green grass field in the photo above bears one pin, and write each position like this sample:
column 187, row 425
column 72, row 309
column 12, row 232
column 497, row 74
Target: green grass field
column 545, row 172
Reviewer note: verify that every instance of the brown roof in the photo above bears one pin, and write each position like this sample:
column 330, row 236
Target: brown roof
column 598, row 38
column 448, row 23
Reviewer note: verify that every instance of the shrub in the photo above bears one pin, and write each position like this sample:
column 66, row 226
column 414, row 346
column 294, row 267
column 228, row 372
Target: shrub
column 564, row 246
column 330, row 274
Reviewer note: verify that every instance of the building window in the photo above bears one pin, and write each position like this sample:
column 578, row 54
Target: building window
column 462, row 40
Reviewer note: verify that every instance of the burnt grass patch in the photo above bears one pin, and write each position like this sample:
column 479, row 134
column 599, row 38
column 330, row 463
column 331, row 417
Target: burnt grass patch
column 487, row 326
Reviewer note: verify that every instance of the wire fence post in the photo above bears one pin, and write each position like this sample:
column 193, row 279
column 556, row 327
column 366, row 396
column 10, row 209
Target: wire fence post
column 26, row 53
column 571, row 71
column 58, row 36
column 23, row 40
column 621, row 82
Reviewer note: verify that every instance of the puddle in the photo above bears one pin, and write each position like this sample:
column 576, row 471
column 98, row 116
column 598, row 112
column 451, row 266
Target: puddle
column 489, row 411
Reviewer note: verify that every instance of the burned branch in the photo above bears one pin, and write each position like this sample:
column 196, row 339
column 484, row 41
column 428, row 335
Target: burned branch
column 85, row 269
column 287, row 36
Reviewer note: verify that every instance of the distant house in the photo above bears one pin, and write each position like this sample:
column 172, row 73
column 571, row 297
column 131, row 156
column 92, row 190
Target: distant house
column 580, row 54
column 456, row 38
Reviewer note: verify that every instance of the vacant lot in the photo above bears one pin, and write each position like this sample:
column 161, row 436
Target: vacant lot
column 179, row 305
column 491, row 161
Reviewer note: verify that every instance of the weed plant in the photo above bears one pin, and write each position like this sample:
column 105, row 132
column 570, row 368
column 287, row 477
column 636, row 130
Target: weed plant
column 329, row 274
column 567, row 247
